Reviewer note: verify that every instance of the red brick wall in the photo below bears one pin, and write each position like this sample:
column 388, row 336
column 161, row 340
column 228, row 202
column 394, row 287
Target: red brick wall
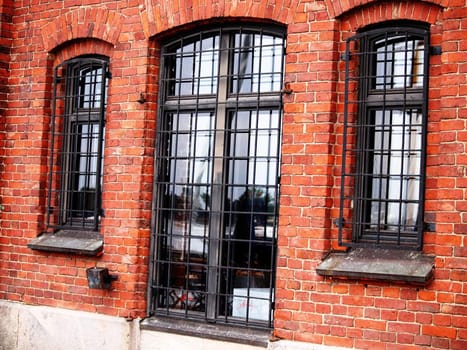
column 5, row 42
column 360, row 314
column 366, row 314
column 44, row 37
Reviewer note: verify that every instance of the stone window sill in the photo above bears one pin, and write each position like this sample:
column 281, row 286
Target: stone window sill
column 379, row 264
column 68, row 241
column 254, row 337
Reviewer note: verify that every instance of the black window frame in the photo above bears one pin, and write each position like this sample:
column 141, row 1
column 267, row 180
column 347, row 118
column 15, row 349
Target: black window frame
column 220, row 97
column 385, row 121
column 77, row 142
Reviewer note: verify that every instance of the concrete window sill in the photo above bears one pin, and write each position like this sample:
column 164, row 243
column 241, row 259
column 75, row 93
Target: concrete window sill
column 379, row 264
column 71, row 242
column 254, row 337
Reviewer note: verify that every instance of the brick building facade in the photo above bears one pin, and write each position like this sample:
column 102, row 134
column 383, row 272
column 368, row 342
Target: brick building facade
column 354, row 110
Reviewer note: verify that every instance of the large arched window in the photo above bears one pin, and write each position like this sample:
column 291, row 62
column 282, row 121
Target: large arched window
column 216, row 187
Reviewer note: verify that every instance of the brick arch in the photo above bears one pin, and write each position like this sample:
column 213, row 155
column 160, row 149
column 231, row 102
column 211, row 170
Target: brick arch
column 158, row 16
column 337, row 8
column 75, row 48
column 380, row 11
column 84, row 22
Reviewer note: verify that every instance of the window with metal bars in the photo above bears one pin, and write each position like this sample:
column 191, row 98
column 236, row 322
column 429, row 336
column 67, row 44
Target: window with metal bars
column 217, row 182
column 79, row 102
column 382, row 184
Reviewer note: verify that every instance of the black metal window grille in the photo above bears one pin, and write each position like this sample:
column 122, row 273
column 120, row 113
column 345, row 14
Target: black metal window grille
column 78, row 121
column 382, row 184
column 217, row 187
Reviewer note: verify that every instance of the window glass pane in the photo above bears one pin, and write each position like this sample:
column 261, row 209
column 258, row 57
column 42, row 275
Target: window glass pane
column 195, row 69
column 252, row 196
column 188, row 196
column 83, row 175
column 399, row 63
column 396, row 169
column 87, row 154
column 90, row 82
column 257, row 63
column 253, row 175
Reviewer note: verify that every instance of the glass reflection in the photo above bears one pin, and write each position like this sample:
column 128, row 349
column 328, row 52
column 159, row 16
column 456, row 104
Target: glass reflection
column 254, row 138
column 90, row 83
column 190, row 173
column 195, row 69
column 396, row 169
column 188, row 197
column 249, row 209
column 399, row 63
column 257, row 63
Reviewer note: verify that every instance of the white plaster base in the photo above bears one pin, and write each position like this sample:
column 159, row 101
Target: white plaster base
column 154, row 340
column 26, row 327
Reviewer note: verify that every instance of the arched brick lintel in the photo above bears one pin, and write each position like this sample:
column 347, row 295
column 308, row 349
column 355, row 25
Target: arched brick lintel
column 159, row 16
column 337, row 8
column 97, row 23
column 390, row 10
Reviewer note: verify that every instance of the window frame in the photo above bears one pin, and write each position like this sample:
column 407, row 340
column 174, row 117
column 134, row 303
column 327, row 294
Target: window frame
column 79, row 103
column 221, row 101
column 358, row 153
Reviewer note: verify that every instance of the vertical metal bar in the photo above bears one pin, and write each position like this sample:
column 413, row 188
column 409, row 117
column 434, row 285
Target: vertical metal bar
column 421, row 202
column 344, row 141
column 160, row 164
column 52, row 144
column 102, row 120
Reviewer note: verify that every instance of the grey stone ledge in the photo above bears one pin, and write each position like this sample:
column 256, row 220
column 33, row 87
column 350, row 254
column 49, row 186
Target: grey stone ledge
column 69, row 241
column 232, row 333
column 379, row 264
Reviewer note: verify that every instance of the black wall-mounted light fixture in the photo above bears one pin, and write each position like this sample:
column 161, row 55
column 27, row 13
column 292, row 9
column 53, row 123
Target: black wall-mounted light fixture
column 99, row 277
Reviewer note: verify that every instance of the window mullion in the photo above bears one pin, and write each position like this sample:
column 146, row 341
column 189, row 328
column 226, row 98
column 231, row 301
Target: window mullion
column 215, row 227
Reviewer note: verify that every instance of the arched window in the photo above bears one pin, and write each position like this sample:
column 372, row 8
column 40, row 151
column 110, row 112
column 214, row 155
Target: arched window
column 74, row 196
column 217, row 159
column 384, row 138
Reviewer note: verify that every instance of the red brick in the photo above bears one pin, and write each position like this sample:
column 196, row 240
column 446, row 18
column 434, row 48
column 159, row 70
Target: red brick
column 338, row 341
column 439, row 331
column 371, row 324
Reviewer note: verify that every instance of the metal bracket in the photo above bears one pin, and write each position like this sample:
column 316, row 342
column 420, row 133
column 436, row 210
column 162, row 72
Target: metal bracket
column 345, row 57
column 435, row 50
column 339, row 222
